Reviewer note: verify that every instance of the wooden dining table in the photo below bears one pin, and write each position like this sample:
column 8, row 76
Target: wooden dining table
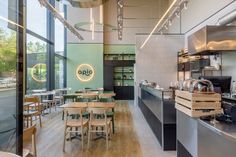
column 110, row 105
column 98, row 94
column 89, row 104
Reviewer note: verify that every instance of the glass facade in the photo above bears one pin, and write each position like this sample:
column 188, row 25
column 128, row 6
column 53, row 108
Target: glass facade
column 45, row 50
column 36, row 63
column 44, row 62
column 36, row 18
column 10, row 76
column 59, row 49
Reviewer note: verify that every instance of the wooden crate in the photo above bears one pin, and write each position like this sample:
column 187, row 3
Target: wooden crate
column 198, row 104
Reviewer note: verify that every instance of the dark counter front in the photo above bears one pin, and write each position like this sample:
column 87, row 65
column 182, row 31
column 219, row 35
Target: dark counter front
column 160, row 114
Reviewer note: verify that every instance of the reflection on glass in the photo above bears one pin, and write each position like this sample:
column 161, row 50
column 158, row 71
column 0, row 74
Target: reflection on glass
column 36, row 64
column 36, row 18
column 7, row 77
column 59, row 31
column 59, row 72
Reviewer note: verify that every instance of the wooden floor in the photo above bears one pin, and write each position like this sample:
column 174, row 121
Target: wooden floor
column 124, row 142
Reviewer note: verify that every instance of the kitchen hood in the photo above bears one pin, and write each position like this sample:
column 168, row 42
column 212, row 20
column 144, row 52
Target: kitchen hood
column 212, row 39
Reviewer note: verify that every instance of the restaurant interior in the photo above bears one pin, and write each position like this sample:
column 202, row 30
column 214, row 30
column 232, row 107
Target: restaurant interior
column 117, row 78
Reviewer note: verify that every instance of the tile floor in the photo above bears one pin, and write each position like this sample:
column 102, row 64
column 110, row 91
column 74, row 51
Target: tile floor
column 149, row 144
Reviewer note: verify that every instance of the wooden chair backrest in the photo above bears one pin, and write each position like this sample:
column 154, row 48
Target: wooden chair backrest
column 95, row 111
column 90, row 95
column 30, row 134
column 101, row 104
column 74, row 112
column 35, row 100
column 107, row 95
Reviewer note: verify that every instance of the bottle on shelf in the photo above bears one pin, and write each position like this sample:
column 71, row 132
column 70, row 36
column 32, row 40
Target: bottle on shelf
column 233, row 89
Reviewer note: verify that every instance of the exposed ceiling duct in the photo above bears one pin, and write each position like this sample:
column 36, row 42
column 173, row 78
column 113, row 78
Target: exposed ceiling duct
column 212, row 39
column 227, row 19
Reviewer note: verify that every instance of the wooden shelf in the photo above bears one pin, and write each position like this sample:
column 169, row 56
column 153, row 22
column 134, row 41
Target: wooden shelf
column 122, row 79
column 123, row 72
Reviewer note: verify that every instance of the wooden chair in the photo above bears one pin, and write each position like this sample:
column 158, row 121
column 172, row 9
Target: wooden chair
column 107, row 97
column 30, row 134
column 111, row 112
column 49, row 103
column 58, row 97
column 90, row 96
column 35, row 111
column 69, row 98
column 79, row 125
column 98, row 118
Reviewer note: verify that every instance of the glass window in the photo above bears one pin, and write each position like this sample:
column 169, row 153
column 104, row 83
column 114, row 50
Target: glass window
column 36, row 64
column 8, row 76
column 36, row 18
column 59, row 72
column 59, row 31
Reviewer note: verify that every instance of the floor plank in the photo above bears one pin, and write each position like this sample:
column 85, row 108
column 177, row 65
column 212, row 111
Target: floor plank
column 124, row 142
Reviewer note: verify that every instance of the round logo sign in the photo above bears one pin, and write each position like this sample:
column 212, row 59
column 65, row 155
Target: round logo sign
column 85, row 72
column 39, row 72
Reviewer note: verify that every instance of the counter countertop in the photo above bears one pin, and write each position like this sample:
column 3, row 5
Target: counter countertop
column 224, row 129
column 165, row 93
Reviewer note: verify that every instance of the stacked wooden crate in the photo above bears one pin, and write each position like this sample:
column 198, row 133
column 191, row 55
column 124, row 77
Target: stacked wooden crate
column 198, row 104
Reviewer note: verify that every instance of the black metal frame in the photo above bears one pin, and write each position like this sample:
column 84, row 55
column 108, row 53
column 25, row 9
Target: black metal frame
column 21, row 61
column 20, row 75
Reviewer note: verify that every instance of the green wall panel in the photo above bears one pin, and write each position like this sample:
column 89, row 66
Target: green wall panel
column 121, row 48
column 84, row 53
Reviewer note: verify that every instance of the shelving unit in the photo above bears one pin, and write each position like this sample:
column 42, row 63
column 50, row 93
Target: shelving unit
column 119, row 56
column 191, row 66
column 119, row 74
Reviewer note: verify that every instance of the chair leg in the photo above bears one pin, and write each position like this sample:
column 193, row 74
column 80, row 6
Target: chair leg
column 55, row 106
column 82, row 137
column 63, row 115
column 110, row 130
column 50, row 107
column 40, row 121
column 70, row 132
column 113, row 124
column 89, row 136
column 31, row 121
column 27, row 122
column 64, row 141
column 106, row 135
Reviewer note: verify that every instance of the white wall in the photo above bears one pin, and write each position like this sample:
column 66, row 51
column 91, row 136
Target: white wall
column 157, row 61
column 75, row 15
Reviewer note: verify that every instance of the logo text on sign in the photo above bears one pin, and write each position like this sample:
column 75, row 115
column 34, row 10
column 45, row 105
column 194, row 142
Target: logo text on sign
column 85, row 72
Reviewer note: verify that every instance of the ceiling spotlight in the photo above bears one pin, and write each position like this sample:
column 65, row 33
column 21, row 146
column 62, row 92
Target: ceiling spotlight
column 177, row 14
column 120, row 25
column 170, row 22
column 166, row 27
column 120, row 4
column 185, row 5
column 119, row 18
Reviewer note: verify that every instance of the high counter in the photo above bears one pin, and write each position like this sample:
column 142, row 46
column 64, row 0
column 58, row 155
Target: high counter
column 158, row 108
